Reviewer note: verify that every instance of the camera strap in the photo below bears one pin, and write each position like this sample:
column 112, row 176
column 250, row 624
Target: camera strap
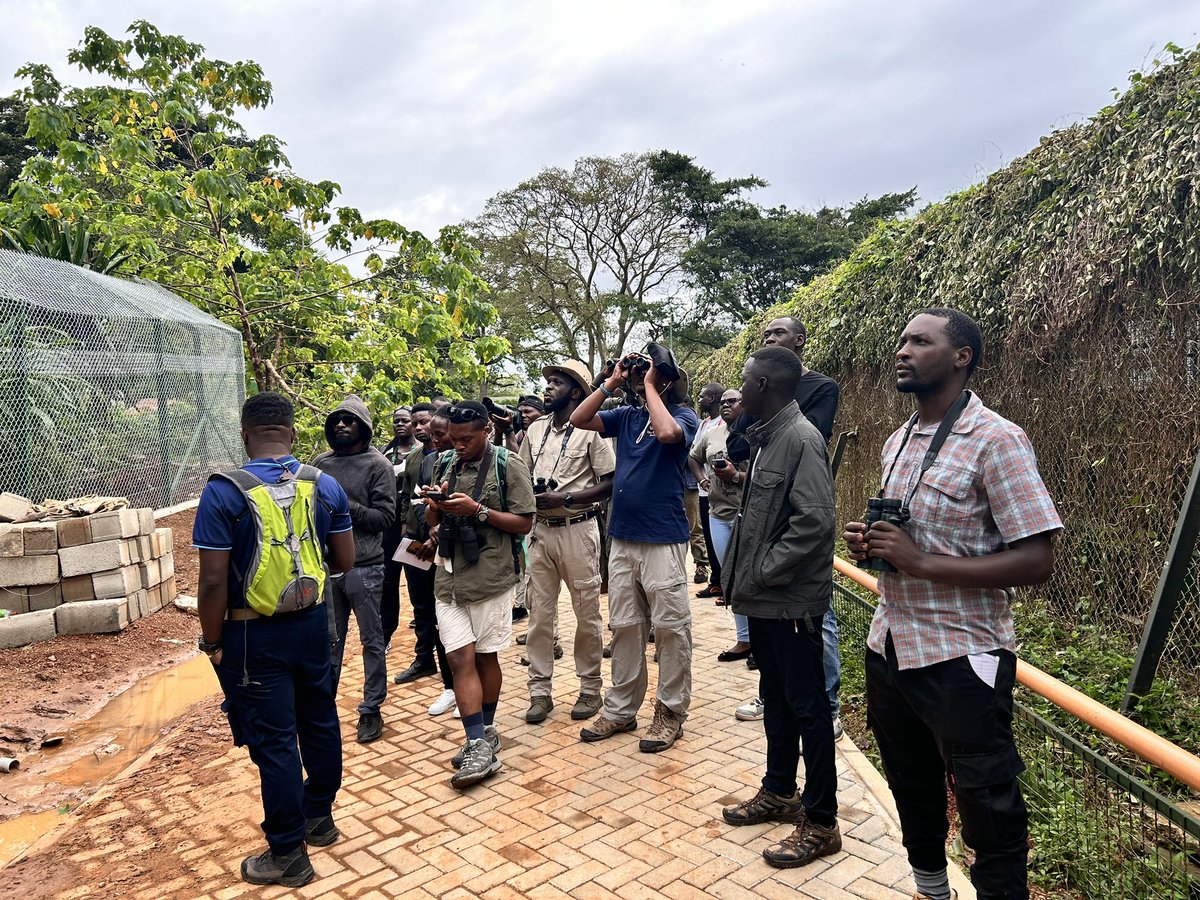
column 567, row 432
column 935, row 446
column 484, row 465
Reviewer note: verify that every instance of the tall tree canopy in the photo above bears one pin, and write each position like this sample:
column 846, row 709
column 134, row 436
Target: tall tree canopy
column 155, row 159
column 584, row 261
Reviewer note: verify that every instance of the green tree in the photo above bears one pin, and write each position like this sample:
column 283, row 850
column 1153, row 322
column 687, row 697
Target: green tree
column 582, row 262
column 15, row 146
column 156, row 159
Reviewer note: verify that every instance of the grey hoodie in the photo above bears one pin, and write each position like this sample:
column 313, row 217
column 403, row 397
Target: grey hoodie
column 368, row 480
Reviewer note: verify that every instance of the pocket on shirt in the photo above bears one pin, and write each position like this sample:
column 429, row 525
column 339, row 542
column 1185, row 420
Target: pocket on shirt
column 951, row 493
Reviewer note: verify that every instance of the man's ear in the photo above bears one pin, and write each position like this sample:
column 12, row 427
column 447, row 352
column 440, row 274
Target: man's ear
column 962, row 357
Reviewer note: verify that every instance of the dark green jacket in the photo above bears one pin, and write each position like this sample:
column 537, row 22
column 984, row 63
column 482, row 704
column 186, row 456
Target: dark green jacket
column 780, row 559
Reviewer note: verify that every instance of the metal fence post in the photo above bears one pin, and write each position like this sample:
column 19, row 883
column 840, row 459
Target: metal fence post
column 1166, row 598
column 160, row 390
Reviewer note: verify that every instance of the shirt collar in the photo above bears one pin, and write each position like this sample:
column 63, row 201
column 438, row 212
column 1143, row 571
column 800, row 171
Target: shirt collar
column 964, row 424
column 760, row 433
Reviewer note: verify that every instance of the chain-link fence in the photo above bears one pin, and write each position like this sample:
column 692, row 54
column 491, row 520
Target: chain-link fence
column 111, row 387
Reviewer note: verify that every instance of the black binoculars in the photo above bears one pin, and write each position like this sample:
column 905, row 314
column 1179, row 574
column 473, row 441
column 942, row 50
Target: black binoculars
column 883, row 509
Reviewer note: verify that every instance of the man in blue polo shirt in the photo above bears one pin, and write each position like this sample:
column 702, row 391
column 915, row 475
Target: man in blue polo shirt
column 276, row 671
column 647, row 578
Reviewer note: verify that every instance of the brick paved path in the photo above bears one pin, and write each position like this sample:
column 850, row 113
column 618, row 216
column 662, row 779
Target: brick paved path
column 562, row 819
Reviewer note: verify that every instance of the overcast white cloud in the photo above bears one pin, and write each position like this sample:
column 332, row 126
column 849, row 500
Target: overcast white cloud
column 422, row 111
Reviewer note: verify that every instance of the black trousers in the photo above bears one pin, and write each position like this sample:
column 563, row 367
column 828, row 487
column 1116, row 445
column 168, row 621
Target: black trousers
column 389, row 604
column 944, row 721
column 714, row 561
column 429, row 641
column 795, row 707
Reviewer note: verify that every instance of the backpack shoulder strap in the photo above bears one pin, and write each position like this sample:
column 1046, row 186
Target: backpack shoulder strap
column 241, row 479
column 501, row 466
column 308, row 473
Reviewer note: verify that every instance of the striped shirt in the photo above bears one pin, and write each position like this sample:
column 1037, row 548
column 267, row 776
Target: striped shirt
column 983, row 493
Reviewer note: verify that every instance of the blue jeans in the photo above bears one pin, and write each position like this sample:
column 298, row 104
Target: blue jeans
column 278, row 684
column 361, row 590
column 721, row 531
column 832, row 660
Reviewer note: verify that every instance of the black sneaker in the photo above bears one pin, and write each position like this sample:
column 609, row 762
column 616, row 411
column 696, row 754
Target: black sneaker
column 370, row 727
column 291, row 869
column 321, row 832
column 419, row 669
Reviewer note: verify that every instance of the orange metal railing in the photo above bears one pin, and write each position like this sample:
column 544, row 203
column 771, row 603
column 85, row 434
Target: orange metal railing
column 1155, row 749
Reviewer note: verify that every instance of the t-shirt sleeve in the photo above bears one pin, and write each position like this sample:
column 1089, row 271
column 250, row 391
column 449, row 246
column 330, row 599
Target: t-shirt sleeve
column 611, row 419
column 822, row 408
column 215, row 518
column 338, row 503
column 1020, row 504
column 519, row 495
column 688, row 422
column 600, row 453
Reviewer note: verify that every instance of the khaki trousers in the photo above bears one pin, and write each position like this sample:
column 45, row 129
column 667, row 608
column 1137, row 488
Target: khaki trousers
column 691, row 506
column 571, row 554
column 647, row 583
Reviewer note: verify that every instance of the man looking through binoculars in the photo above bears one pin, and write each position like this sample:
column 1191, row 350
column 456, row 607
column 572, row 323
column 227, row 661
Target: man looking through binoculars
column 649, row 529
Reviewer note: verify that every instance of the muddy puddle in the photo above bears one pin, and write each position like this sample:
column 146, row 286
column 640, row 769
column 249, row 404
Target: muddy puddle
column 97, row 749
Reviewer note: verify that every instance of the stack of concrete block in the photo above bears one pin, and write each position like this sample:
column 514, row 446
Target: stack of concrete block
column 29, row 582
column 116, row 568
column 83, row 575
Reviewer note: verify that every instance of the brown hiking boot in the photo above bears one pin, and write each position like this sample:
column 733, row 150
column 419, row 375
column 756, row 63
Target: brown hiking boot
column 765, row 807
column 604, row 727
column 808, row 842
column 663, row 732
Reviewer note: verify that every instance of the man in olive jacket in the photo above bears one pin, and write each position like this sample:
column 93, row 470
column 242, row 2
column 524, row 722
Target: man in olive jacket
column 778, row 572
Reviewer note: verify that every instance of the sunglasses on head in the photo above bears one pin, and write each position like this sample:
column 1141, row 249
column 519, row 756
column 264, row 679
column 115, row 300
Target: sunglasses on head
column 461, row 414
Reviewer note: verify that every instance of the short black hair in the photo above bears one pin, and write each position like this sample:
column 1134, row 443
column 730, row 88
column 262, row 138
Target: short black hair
column 797, row 325
column 714, row 385
column 440, row 412
column 422, row 407
column 782, row 364
column 268, row 408
column 962, row 330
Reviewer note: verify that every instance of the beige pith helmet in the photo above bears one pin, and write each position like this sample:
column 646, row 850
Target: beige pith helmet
column 573, row 369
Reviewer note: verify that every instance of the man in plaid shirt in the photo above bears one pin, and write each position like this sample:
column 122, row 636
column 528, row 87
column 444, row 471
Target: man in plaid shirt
column 941, row 657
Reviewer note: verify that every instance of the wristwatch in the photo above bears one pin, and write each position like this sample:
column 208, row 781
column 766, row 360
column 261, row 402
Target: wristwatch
column 482, row 514
column 206, row 648
column 568, row 500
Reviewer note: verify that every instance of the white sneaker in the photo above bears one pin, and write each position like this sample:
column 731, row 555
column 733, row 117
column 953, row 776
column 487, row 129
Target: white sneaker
column 751, row 711
column 443, row 704
column 457, row 714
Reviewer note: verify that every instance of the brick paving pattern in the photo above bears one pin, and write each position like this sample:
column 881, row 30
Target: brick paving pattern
column 562, row 819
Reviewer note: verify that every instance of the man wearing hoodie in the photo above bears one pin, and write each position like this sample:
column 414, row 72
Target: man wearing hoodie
column 370, row 482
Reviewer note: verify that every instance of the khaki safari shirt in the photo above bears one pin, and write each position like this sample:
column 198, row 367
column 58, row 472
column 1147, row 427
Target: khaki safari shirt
column 493, row 573
column 577, row 464
column 724, row 497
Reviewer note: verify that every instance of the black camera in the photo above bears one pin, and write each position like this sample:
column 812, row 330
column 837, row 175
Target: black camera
column 883, row 509
column 541, row 485
column 459, row 530
column 720, row 463
column 499, row 409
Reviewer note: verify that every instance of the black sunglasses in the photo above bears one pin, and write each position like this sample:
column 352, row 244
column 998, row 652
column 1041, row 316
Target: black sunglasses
column 730, row 401
column 460, row 414
column 343, row 419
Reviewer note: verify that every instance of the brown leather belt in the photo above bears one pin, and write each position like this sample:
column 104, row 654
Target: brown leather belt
column 245, row 614
column 560, row 521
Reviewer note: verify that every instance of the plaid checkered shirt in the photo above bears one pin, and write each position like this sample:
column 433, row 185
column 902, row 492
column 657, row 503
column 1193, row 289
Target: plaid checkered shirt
column 983, row 493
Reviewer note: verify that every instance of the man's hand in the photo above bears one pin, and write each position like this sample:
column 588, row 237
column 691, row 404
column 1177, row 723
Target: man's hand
column 891, row 542
column 652, row 379
column 502, row 421
column 855, row 537
column 549, row 499
column 215, row 658
column 424, row 550
column 458, row 504
column 726, row 473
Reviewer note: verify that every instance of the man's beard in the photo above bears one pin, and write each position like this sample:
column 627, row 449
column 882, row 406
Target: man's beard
column 561, row 403
column 342, row 443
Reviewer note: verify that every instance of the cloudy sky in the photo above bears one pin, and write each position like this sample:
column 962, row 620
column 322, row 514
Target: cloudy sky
column 421, row 111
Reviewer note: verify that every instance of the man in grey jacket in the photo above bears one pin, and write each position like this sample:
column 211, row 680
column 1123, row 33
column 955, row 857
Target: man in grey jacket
column 778, row 572
column 369, row 481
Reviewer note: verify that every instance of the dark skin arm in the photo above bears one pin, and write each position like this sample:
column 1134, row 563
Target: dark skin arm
column 599, row 491
column 460, row 504
column 1025, row 562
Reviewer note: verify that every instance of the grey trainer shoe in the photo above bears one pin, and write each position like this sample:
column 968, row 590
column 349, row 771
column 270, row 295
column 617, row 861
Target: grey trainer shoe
column 479, row 761
column 750, row 711
column 765, row 807
column 290, row 869
column 539, row 710
column 664, row 731
column 489, row 734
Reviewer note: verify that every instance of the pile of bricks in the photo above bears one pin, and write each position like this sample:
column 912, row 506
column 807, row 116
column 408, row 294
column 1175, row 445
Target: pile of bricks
column 84, row 575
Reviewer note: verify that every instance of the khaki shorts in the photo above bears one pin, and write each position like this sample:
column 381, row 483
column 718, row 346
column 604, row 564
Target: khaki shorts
column 486, row 624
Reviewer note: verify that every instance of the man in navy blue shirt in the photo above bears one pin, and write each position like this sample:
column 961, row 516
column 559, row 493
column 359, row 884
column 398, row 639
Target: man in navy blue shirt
column 647, row 578
column 276, row 671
